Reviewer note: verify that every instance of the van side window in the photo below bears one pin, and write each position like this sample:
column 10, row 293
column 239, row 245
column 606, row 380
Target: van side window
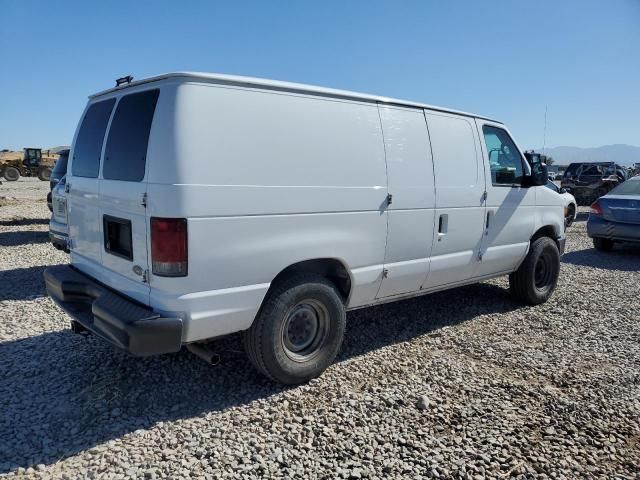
column 88, row 146
column 126, row 152
column 504, row 158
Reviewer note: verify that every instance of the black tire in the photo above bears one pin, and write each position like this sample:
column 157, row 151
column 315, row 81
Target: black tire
column 11, row 174
column 44, row 174
column 602, row 244
column 571, row 214
column 537, row 277
column 295, row 303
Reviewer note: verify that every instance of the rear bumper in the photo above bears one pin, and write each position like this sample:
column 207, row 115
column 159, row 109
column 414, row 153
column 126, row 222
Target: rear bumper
column 622, row 232
column 113, row 317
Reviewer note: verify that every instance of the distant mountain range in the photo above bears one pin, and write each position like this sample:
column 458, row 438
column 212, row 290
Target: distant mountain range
column 620, row 153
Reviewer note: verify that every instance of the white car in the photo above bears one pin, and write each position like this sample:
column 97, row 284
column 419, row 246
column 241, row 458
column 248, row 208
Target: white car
column 58, row 228
column 200, row 205
column 570, row 204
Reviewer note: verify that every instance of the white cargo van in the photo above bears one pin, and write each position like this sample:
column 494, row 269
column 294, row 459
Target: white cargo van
column 201, row 205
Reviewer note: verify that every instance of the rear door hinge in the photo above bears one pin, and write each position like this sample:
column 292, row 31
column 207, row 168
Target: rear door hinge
column 484, row 196
column 145, row 276
column 144, row 200
column 389, row 198
column 479, row 256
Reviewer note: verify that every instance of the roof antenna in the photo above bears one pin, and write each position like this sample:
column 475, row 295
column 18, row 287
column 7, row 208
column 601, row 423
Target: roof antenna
column 128, row 79
column 544, row 135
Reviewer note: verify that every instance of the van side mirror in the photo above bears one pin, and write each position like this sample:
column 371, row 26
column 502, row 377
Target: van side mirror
column 539, row 172
column 539, row 175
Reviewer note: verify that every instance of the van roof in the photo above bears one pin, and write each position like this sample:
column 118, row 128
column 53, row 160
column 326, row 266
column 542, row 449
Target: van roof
column 266, row 84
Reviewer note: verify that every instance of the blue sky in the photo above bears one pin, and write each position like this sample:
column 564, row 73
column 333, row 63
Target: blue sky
column 504, row 59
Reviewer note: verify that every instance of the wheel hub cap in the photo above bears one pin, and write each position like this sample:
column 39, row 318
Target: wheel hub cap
column 305, row 329
column 302, row 327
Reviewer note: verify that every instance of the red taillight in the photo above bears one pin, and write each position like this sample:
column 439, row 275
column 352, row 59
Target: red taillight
column 169, row 247
column 596, row 209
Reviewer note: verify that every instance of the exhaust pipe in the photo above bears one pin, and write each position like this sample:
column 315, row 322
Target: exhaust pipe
column 204, row 352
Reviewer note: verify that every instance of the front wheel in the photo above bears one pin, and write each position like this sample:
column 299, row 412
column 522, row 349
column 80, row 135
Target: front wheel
column 537, row 277
column 299, row 329
column 571, row 215
column 44, row 174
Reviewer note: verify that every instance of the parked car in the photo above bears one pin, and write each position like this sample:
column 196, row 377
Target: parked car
column 552, row 176
column 58, row 225
column 589, row 181
column 570, row 204
column 616, row 216
column 59, row 171
column 225, row 204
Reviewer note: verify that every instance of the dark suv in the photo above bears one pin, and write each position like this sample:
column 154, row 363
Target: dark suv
column 59, row 171
column 589, row 181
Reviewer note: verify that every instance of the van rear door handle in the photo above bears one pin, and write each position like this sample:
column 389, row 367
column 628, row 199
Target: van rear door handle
column 67, row 187
column 488, row 223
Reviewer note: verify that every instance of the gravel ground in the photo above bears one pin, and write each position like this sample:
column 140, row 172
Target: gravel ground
column 458, row 384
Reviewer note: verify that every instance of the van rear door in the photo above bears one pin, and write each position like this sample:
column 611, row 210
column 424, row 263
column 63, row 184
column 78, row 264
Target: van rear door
column 123, row 190
column 83, row 187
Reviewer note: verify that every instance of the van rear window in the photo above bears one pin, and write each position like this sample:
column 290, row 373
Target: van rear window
column 88, row 146
column 126, row 151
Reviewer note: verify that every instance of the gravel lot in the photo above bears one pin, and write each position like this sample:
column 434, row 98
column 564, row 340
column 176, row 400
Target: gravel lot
column 464, row 384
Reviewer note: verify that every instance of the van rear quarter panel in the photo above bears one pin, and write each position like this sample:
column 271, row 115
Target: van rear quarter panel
column 266, row 179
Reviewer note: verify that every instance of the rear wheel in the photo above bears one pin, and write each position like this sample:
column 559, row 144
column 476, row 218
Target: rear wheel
column 602, row 244
column 537, row 277
column 299, row 329
column 11, row 174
